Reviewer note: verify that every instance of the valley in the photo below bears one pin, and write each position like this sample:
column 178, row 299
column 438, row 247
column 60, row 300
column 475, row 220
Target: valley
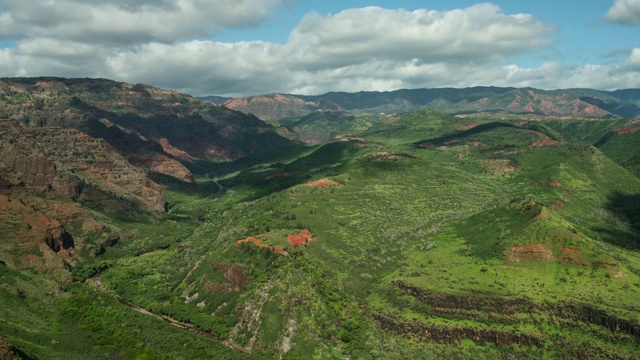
column 142, row 223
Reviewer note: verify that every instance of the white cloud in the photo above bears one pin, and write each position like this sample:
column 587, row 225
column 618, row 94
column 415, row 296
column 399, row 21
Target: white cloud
column 624, row 12
column 357, row 35
column 633, row 61
column 357, row 49
column 117, row 22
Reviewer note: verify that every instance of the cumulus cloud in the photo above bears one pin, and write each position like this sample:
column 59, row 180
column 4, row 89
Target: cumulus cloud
column 624, row 12
column 118, row 22
column 355, row 35
column 357, row 49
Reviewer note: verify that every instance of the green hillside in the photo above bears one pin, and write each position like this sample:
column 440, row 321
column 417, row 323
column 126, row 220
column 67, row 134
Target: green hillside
column 421, row 237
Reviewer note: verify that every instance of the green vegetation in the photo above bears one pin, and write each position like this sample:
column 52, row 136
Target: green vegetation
column 431, row 237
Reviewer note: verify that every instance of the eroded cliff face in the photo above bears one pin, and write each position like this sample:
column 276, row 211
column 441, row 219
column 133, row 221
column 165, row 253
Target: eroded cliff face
column 139, row 119
column 34, row 169
column 57, row 238
column 34, row 235
column 163, row 165
column 65, row 161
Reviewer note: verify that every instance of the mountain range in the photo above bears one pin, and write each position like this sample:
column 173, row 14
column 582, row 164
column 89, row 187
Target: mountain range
column 495, row 100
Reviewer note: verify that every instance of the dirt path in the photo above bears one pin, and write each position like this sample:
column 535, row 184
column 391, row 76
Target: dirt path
column 184, row 326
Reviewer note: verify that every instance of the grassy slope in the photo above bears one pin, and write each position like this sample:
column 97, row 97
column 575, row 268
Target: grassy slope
column 410, row 225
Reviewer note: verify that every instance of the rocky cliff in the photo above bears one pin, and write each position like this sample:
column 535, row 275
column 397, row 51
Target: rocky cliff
column 139, row 119
column 66, row 161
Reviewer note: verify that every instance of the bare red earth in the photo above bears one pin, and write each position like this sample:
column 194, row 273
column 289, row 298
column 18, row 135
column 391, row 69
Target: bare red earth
column 463, row 127
column 535, row 251
column 258, row 242
column 302, row 238
column 499, row 166
column 529, row 107
column 542, row 143
column 478, row 143
column 539, row 252
column 237, row 277
column 322, row 183
column 626, row 130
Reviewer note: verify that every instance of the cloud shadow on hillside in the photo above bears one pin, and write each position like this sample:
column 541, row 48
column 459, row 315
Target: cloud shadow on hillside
column 624, row 231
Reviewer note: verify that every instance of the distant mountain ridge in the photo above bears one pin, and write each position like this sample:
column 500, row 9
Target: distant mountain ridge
column 452, row 101
column 137, row 118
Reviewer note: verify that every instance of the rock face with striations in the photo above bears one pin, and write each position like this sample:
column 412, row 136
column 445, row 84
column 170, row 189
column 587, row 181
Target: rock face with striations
column 68, row 162
column 139, row 119
column 57, row 237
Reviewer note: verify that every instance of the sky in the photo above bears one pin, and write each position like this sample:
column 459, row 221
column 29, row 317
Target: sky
column 250, row 47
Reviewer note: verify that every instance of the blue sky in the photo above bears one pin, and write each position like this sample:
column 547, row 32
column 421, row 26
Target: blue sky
column 249, row 47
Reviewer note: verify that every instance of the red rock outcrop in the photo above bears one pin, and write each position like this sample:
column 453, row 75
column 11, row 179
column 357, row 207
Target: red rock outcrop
column 68, row 162
column 163, row 165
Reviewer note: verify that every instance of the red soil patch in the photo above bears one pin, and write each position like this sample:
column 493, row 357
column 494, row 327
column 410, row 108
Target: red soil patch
column 322, row 183
column 450, row 142
column 302, row 238
column 279, row 175
column 427, row 146
column 237, row 276
column 535, row 251
column 555, row 184
column 543, row 214
column 572, row 256
column 478, row 143
column 626, row 130
column 499, row 166
column 441, row 148
column 542, row 143
column 463, row 127
column 258, row 242
column 529, row 107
